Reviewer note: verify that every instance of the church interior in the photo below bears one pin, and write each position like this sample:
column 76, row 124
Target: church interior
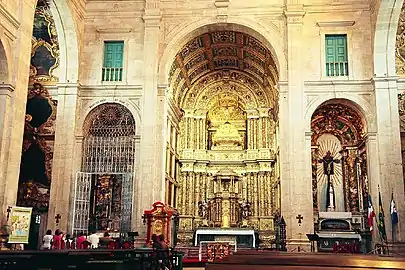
column 259, row 123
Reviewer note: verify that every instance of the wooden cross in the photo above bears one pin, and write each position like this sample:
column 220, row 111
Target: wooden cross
column 299, row 217
column 57, row 218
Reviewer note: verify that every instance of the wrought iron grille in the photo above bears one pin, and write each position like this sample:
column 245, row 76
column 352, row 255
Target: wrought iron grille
column 81, row 205
column 109, row 141
column 108, row 148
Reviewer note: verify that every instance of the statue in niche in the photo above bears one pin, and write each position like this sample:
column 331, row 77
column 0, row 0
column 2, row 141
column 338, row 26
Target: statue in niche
column 245, row 213
column 203, row 212
column 328, row 169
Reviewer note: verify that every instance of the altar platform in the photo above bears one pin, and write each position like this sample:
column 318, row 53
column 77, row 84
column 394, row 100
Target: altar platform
column 239, row 236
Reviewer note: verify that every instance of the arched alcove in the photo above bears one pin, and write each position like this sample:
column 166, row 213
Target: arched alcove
column 107, row 171
column 223, row 81
column 339, row 158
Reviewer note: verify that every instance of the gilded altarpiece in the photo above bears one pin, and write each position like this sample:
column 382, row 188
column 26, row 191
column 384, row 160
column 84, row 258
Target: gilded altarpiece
column 228, row 153
column 400, row 44
column 37, row 150
column 339, row 130
column 401, row 108
column 224, row 84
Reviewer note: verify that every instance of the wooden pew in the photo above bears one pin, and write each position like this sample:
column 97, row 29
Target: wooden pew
column 293, row 261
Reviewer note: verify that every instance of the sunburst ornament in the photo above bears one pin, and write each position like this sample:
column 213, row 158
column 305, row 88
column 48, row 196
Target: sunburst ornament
column 331, row 143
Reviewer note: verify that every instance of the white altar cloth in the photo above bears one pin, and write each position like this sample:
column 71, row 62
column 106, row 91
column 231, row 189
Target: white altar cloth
column 224, row 231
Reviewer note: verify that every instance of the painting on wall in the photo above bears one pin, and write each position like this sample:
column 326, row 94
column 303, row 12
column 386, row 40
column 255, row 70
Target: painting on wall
column 37, row 152
column 45, row 46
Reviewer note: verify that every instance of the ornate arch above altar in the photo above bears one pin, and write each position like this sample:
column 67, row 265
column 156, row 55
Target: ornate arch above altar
column 340, row 120
column 224, row 61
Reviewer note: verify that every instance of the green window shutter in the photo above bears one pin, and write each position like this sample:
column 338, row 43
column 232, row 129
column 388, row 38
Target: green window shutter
column 336, row 55
column 113, row 60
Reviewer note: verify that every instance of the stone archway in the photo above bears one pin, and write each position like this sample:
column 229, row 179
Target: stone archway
column 4, row 67
column 109, row 129
column 221, row 154
column 339, row 133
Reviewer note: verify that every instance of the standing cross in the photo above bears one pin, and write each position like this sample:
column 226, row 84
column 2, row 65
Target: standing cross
column 57, row 218
column 8, row 212
column 299, row 217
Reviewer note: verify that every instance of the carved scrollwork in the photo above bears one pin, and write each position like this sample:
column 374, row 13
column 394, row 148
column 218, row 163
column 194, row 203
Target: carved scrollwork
column 340, row 120
column 45, row 46
column 400, row 44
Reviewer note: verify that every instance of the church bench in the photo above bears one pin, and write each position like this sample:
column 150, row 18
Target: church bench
column 78, row 259
column 274, row 260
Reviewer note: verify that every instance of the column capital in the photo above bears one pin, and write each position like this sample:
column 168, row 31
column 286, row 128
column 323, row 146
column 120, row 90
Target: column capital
column 295, row 14
column 188, row 112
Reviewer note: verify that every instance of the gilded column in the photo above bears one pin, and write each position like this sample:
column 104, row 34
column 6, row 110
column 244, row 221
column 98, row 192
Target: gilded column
column 250, row 188
column 244, row 186
column 267, row 195
column 203, row 185
column 259, row 129
column 255, row 194
column 209, row 187
column 263, row 194
column 183, row 192
column 197, row 192
column 190, row 192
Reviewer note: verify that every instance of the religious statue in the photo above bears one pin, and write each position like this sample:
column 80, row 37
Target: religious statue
column 245, row 213
column 328, row 170
column 203, row 212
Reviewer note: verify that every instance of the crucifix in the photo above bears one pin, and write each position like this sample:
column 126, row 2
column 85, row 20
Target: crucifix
column 57, row 218
column 8, row 212
column 328, row 170
column 299, row 218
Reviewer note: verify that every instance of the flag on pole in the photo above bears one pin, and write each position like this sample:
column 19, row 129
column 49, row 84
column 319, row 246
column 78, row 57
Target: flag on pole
column 381, row 223
column 393, row 210
column 371, row 213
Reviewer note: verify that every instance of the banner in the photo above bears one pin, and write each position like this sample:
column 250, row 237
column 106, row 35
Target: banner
column 20, row 225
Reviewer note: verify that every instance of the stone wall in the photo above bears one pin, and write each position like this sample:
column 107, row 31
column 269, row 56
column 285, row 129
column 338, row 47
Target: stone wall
column 153, row 32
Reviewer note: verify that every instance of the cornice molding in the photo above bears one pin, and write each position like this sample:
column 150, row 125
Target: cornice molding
column 114, row 30
column 10, row 18
column 6, row 89
column 336, row 24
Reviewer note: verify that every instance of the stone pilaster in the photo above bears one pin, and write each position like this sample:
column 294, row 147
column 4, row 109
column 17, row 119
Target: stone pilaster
column 388, row 149
column 19, row 62
column 6, row 93
column 63, row 168
column 299, row 183
column 151, row 177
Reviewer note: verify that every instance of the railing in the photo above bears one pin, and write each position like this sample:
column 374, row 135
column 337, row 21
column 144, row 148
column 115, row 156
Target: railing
column 337, row 69
column 112, row 74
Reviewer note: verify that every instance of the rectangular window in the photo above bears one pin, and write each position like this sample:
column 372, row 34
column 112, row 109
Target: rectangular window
column 336, row 55
column 113, row 58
